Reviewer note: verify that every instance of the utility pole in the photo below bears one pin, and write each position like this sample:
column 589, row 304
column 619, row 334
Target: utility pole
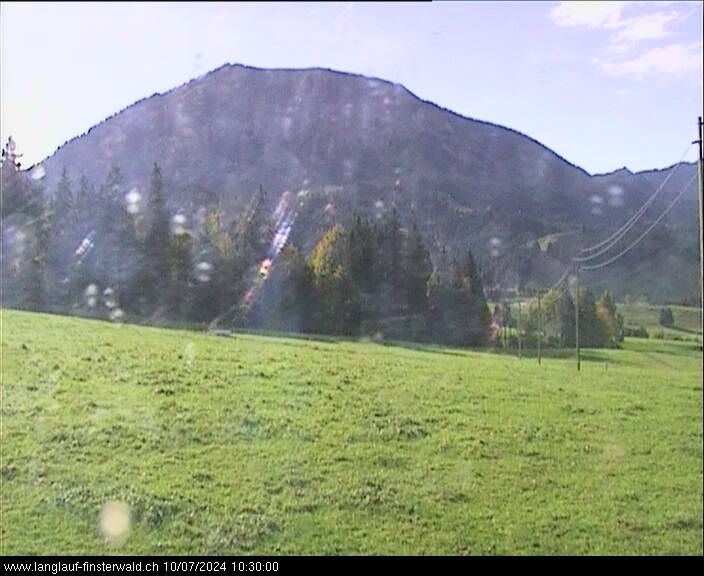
column 503, row 325
column 700, row 171
column 576, row 322
column 520, row 325
column 540, row 331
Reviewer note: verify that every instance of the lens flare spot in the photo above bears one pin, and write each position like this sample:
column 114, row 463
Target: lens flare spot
column 615, row 196
column 265, row 268
column 189, row 354
column 116, row 315
column 203, row 271
column 178, row 224
column 133, row 201
column 115, row 521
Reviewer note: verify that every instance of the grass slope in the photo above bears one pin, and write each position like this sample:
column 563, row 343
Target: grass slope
column 272, row 445
column 687, row 320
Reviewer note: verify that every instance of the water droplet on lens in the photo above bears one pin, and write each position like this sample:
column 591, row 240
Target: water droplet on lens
column 116, row 315
column 178, row 224
column 203, row 270
column 115, row 521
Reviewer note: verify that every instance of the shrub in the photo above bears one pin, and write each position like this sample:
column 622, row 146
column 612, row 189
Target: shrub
column 635, row 332
column 666, row 318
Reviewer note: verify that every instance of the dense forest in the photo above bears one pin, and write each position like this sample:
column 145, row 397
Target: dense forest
column 116, row 253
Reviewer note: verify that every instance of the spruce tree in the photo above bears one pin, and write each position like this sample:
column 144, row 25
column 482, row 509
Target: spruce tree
column 389, row 263
column 63, row 220
column 155, row 265
column 478, row 310
column 180, row 267
column 417, row 269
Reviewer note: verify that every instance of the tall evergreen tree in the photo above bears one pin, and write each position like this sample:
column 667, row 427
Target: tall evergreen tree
column 180, row 273
column 107, row 244
column 389, row 261
column 154, row 271
column 417, row 268
column 34, row 266
column 362, row 252
column 62, row 220
column 559, row 317
column 611, row 321
column 478, row 312
column 591, row 332
column 63, row 200
column 13, row 185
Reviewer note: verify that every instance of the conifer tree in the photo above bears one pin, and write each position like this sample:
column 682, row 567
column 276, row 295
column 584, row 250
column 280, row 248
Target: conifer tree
column 478, row 315
column 416, row 272
column 155, row 264
column 180, row 272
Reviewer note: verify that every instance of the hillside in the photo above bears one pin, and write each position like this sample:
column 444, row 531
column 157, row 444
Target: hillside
column 367, row 145
column 253, row 445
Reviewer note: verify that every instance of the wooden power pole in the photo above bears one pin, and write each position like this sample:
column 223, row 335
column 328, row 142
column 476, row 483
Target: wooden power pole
column 519, row 326
column 540, row 331
column 700, row 171
column 576, row 321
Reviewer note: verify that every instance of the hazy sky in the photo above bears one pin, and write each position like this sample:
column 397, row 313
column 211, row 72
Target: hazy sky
column 604, row 84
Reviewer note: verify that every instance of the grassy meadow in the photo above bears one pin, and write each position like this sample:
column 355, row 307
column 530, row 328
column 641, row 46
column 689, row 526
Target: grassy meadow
column 687, row 321
column 262, row 445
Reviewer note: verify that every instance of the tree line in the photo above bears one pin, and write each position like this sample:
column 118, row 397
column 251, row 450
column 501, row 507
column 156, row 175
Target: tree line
column 111, row 252
column 552, row 319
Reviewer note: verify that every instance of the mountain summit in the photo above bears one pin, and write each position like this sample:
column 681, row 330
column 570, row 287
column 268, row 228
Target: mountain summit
column 366, row 145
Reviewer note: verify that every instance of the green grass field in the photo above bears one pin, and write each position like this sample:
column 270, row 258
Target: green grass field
column 262, row 445
column 687, row 320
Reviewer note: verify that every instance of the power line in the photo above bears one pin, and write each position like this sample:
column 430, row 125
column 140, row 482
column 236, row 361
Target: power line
column 647, row 231
column 611, row 241
column 561, row 280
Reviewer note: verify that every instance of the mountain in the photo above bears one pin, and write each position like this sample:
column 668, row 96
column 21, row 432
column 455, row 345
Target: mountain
column 368, row 145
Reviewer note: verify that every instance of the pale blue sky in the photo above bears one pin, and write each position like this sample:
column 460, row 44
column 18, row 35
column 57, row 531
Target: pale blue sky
column 604, row 84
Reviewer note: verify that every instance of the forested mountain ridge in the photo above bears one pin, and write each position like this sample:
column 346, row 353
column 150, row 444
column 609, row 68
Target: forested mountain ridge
column 365, row 145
